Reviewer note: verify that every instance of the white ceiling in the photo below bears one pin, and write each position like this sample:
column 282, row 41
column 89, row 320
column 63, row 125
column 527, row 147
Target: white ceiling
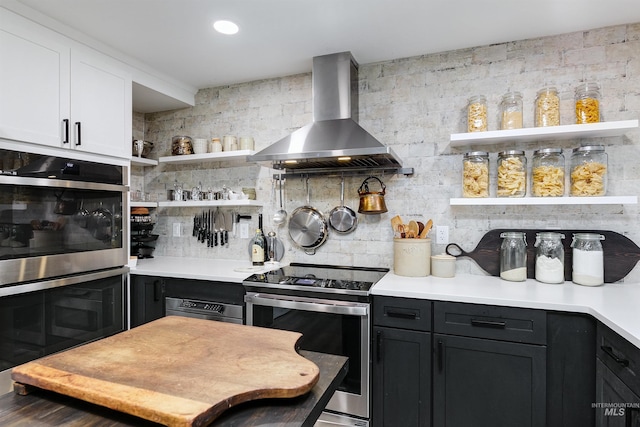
column 280, row 37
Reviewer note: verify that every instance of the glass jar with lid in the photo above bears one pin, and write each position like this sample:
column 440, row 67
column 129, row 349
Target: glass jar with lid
column 549, row 257
column 512, row 174
column 513, row 256
column 589, row 171
column 587, row 97
column 547, row 108
column 475, row 174
column 477, row 114
column 511, row 111
column 588, row 259
column 547, row 173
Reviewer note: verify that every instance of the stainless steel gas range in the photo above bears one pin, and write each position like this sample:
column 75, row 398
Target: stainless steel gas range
column 330, row 305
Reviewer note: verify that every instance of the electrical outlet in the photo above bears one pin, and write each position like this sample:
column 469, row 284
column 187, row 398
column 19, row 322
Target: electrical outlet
column 176, row 229
column 442, row 234
column 244, row 230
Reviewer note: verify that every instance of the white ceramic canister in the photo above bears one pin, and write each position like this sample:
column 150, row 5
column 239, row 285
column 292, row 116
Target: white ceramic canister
column 246, row 143
column 215, row 146
column 443, row 265
column 412, row 257
column 229, row 143
column 199, row 146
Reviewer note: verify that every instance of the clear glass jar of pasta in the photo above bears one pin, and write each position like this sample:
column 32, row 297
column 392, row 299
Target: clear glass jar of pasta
column 512, row 174
column 511, row 111
column 589, row 171
column 547, row 108
column 477, row 114
column 547, row 173
column 475, row 174
column 587, row 98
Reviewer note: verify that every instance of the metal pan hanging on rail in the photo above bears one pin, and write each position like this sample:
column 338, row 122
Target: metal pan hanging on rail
column 308, row 227
column 342, row 218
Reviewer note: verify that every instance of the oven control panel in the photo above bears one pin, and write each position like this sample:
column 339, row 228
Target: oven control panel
column 200, row 305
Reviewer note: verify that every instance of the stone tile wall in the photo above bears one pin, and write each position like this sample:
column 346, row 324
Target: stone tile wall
column 413, row 105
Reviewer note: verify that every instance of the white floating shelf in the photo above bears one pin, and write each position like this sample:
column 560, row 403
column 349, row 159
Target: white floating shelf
column 515, row 201
column 143, row 162
column 203, row 203
column 143, row 204
column 207, row 157
column 590, row 130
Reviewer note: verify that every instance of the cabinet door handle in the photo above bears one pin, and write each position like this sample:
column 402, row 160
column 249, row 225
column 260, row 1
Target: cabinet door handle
column 440, row 355
column 607, row 349
column 66, row 131
column 402, row 314
column 79, row 133
column 488, row 323
column 379, row 346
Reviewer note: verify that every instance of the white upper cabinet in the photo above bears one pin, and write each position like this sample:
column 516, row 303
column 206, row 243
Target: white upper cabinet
column 60, row 95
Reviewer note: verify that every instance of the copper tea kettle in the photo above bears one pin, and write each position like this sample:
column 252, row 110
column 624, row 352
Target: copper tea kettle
column 371, row 202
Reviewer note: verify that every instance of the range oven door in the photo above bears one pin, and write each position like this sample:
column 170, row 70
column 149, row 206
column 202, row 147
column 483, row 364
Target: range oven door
column 41, row 318
column 327, row 326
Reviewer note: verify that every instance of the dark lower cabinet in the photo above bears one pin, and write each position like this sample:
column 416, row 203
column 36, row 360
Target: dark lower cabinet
column 401, row 372
column 147, row 299
column 480, row 382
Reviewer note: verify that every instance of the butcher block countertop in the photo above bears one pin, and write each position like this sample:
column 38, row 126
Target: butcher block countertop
column 178, row 371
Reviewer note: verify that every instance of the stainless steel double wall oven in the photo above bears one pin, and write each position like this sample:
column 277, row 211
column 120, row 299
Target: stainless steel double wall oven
column 330, row 306
column 63, row 254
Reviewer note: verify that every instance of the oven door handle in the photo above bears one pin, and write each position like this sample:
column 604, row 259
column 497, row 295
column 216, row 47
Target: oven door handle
column 308, row 304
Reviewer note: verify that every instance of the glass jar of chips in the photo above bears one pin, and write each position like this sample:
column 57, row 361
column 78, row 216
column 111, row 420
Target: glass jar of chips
column 588, row 171
column 547, row 173
column 512, row 174
column 475, row 174
column 587, row 98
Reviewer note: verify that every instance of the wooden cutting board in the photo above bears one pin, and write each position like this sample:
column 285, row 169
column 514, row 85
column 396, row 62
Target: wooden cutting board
column 620, row 253
column 177, row 371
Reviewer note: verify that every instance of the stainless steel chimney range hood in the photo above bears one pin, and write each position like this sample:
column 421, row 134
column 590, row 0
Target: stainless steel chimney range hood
column 334, row 142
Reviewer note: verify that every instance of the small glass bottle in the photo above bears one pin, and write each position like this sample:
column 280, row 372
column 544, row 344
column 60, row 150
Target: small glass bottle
column 511, row 111
column 475, row 174
column 547, row 173
column 587, row 97
column 588, row 259
column 589, row 171
column 549, row 257
column 547, row 108
column 513, row 256
column 477, row 114
column 512, row 174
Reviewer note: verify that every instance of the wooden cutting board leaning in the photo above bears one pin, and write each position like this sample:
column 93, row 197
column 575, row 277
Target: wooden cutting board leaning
column 176, row 371
column 620, row 253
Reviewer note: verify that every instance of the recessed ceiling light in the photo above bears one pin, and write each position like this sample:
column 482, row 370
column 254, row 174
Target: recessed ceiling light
column 225, row 27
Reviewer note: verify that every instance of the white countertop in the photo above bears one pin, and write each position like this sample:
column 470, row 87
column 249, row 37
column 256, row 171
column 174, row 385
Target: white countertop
column 615, row 305
column 220, row 270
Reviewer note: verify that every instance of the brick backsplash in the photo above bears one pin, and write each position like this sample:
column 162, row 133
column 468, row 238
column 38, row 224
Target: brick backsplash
column 413, row 105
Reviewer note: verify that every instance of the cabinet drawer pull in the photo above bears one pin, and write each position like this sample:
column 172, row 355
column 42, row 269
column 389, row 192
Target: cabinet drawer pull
column 402, row 314
column 607, row 349
column 488, row 323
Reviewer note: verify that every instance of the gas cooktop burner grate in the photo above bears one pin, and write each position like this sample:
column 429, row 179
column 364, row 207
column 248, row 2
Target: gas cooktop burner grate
column 320, row 278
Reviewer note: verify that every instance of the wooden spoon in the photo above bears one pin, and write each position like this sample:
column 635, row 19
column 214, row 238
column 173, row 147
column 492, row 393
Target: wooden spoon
column 425, row 231
column 413, row 229
column 395, row 222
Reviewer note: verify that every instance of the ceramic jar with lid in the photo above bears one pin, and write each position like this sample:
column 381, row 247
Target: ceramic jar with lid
column 587, row 97
column 477, row 114
column 589, row 171
column 511, row 111
column 588, row 259
column 513, row 256
column 549, row 257
column 547, row 173
column 547, row 108
column 475, row 174
column 512, row 174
